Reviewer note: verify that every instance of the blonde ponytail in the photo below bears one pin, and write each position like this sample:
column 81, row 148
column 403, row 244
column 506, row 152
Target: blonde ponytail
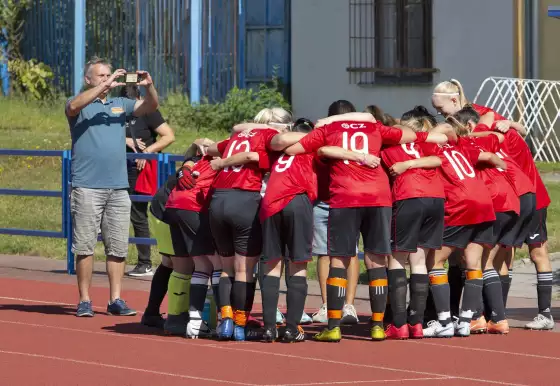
column 450, row 88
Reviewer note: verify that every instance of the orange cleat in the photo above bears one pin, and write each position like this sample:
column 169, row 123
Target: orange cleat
column 479, row 326
column 501, row 327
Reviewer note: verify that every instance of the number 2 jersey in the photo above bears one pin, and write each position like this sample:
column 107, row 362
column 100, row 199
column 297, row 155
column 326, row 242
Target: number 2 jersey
column 413, row 183
column 249, row 176
column 467, row 200
column 353, row 185
column 290, row 176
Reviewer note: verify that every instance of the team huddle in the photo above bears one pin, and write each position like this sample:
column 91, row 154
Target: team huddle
column 419, row 193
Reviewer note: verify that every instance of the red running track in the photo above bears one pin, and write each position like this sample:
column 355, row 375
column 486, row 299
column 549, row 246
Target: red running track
column 42, row 343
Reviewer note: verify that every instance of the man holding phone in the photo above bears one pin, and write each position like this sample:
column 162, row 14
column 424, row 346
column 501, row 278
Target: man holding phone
column 99, row 197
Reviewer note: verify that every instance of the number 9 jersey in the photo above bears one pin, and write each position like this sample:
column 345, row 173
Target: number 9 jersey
column 354, row 185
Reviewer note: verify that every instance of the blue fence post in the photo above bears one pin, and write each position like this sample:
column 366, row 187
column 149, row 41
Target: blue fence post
column 79, row 44
column 4, row 73
column 66, row 215
column 196, row 41
column 241, row 44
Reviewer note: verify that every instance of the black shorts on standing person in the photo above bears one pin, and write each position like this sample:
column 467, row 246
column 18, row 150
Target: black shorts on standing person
column 140, row 130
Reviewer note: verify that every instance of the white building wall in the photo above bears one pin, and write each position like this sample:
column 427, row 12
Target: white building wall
column 473, row 40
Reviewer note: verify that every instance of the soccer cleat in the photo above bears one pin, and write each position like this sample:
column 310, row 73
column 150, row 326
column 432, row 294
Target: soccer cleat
column 238, row 333
column 156, row 321
column 291, row 336
column 305, row 319
column 176, row 324
column 436, row 330
column 349, row 315
column 225, row 329
column 377, row 333
column 270, row 335
column 198, row 328
column 462, row 329
column 415, row 331
column 334, row 335
column 540, row 322
column 84, row 309
column 321, row 315
column 253, row 333
column 395, row 333
column 500, row 328
column 119, row 308
column 479, row 326
column 279, row 317
column 253, row 322
column 141, row 271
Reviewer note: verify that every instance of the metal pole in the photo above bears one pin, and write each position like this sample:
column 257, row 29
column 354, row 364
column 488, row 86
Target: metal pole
column 79, row 43
column 66, row 213
column 196, row 35
column 241, row 44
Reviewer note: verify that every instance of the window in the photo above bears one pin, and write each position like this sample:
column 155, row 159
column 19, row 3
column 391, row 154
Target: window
column 390, row 41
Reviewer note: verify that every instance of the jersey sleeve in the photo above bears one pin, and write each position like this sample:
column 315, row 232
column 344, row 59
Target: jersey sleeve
column 489, row 143
column 471, row 152
column 222, row 145
column 385, row 159
column 314, row 140
column 390, row 135
column 429, row 149
column 267, row 138
column 154, row 120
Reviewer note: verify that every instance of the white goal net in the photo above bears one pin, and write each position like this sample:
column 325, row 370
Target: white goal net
column 534, row 103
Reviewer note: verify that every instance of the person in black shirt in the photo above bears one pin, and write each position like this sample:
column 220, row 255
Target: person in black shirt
column 142, row 137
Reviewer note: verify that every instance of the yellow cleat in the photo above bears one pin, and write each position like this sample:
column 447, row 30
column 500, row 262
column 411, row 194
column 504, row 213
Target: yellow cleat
column 327, row 335
column 377, row 333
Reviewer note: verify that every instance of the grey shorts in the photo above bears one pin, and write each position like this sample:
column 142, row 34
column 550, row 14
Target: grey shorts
column 320, row 226
column 92, row 209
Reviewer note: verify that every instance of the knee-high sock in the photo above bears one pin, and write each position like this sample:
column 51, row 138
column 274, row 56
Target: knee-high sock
column 178, row 293
column 378, row 294
column 492, row 288
column 336, row 293
column 472, row 295
column 225, row 287
column 439, row 287
column 297, row 293
column 158, row 289
column 269, row 292
column 456, row 277
column 419, row 289
column 397, row 292
column 544, row 293
column 216, row 274
column 199, row 289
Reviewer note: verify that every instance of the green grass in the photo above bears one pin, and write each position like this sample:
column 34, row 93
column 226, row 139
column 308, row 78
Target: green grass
column 27, row 125
column 548, row 167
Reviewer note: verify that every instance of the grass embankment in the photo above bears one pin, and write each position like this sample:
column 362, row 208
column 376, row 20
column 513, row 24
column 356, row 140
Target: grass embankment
column 25, row 125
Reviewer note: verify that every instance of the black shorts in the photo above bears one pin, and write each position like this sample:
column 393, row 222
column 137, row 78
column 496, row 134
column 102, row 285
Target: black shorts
column 289, row 233
column 459, row 236
column 538, row 234
column 527, row 214
column 190, row 232
column 234, row 221
column 346, row 224
column 504, row 228
column 417, row 222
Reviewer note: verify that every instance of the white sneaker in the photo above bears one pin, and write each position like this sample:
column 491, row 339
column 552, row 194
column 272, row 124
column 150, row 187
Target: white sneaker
column 279, row 317
column 305, row 319
column 462, row 329
column 198, row 328
column 436, row 330
column 540, row 322
column 349, row 315
column 321, row 315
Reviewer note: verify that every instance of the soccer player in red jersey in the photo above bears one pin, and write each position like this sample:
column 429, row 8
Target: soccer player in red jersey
column 186, row 211
column 417, row 226
column 286, row 215
column 469, row 217
column 360, row 202
column 234, row 218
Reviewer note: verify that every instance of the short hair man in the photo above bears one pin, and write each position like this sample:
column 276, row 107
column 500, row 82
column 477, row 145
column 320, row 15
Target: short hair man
column 99, row 197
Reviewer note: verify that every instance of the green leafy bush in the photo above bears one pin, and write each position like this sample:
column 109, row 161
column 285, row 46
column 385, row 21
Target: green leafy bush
column 31, row 78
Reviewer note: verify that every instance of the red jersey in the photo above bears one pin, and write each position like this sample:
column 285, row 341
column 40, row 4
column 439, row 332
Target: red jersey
column 197, row 198
column 249, row 176
column 353, row 185
column 504, row 196
column 467, row 201
column 290, row 176
column 516, row 147
column 413, row 183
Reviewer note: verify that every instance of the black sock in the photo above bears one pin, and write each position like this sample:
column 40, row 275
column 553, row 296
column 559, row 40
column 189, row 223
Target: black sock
column 158, row 289
column 198, row 291
column 430, row 312
column 419, row 289
column 388, row 316
column 269, row 292
column 439, row 287
column 506, row 282
column 378, row 294
column 216, row 287
column 456, row 277
column 492, row 288
column 471, row 296
column 239, row 295
column 297, row 292
column 251, row 287
column 225, row 289
column 336, row 293
column 397, row 291
column 544, row 293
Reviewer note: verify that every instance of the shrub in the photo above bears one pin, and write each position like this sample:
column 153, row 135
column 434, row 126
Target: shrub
column 31, row 78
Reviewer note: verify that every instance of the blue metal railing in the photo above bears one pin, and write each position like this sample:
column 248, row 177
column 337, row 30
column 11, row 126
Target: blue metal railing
column 166, row 166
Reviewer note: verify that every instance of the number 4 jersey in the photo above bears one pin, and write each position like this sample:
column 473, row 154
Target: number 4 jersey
column 353, row 185
column 249, row 176
column 290, row 176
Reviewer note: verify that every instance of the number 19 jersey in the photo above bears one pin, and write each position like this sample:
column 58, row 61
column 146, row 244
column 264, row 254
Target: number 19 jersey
column 353, row 185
